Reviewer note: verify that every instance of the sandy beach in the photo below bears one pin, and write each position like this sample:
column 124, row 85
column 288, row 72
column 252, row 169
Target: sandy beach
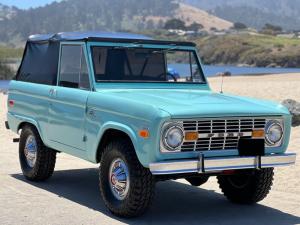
column 71, row 196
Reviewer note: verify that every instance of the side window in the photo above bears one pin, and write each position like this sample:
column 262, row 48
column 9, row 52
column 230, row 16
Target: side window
column 73, row 68
column 70, row 66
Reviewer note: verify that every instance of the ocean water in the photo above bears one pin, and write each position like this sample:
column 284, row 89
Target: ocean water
column 234, row 70
column 4, row 84
column 210, row 71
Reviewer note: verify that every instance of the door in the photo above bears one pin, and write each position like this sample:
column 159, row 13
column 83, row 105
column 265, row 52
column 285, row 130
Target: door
column 67, row 111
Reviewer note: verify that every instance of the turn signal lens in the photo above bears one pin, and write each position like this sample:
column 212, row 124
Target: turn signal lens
column 191, row 136
column 144, row 133
column 258, row 134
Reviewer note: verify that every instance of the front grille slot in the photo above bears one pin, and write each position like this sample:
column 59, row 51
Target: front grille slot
column 219, row 126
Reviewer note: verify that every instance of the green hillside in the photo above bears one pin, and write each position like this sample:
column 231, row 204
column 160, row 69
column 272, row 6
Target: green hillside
column 8, row 55
column 255, row 50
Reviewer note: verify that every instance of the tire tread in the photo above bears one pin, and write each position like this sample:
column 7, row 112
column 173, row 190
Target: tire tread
column 258, row 188
column 46, row 157
column 141, row 180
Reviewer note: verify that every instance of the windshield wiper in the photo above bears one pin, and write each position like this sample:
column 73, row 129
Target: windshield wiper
column 165, row 50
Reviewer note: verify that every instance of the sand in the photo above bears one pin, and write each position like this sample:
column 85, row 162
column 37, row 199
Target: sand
column 71, row 196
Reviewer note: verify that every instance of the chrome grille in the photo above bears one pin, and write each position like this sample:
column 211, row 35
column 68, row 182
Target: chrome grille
column 219, row 126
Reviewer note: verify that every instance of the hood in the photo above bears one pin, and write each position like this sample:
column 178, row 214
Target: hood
column 194, row 103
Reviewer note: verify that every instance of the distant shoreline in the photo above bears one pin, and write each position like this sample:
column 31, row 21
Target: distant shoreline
column 4, row 83
column 258, row 74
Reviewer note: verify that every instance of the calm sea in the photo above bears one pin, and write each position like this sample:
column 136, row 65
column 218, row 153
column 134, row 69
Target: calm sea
column 210, row 71
column 234, row 70
column 213, row 70
column 4, row 84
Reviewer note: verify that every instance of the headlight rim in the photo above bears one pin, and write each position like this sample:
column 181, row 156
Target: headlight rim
column 269, row 124
column 165, row 130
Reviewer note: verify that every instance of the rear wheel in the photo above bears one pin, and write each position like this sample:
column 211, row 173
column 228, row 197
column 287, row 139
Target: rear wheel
column 37, row 161
column 247, row 187
column 127, row 188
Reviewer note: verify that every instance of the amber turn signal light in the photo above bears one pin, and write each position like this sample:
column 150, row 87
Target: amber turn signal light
column 191, row 136
column 258, row 134
column 144, row 133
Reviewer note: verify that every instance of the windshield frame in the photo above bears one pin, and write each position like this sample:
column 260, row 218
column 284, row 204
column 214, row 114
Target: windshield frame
column 137, row 45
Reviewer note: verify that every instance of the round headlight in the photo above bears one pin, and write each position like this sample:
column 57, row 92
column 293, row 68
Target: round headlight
column 274, row 132
column 173, row 137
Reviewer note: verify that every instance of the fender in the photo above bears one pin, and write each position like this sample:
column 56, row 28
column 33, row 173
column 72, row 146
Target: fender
column 117, row 126
column 15, row 121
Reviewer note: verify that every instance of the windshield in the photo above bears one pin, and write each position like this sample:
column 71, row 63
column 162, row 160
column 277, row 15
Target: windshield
column 146, row 65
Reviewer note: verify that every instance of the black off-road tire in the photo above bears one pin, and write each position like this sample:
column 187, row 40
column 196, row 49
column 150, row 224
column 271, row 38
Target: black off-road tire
column 45, row 158
column 247, row 187
column 142, row 183
column 197, row 181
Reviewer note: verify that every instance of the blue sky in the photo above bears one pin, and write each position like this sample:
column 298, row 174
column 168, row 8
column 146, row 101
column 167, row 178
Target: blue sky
column 25, row 4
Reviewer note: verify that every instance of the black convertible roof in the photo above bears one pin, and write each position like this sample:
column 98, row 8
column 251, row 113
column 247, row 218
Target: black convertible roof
column 103, row 37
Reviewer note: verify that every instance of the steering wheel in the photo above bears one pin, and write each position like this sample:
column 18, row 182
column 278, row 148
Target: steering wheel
column 168, row 74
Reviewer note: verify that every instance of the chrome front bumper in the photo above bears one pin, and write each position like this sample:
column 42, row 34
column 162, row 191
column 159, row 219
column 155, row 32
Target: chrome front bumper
column 209, row 165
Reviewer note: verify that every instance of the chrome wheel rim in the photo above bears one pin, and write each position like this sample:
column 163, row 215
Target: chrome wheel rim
column 119, row 179
column 30, row 151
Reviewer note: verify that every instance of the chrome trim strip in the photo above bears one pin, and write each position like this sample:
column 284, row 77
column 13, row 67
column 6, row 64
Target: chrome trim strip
column 285, row 159
column 222, row 163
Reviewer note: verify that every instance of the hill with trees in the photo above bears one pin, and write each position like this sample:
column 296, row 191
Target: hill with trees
column 113, row 15
column 253, row 50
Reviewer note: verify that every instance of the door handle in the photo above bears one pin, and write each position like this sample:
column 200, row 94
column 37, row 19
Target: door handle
column 53, row 92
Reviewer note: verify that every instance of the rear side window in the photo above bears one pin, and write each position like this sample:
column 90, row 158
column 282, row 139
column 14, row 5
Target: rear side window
column 39, row 63
column 73, row 68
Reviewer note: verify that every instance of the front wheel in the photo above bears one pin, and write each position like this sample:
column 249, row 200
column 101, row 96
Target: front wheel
column 127, row 188
column 248, row 186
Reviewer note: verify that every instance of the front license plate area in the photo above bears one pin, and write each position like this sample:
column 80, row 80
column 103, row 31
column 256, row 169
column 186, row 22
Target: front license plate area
column 251, row 147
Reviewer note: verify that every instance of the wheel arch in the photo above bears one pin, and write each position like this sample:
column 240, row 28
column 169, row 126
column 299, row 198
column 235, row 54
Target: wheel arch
column 30, row 123
column 109, row 132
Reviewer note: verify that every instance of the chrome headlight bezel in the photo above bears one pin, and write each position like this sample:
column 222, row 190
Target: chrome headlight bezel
column 270, row 123
column 166, row 129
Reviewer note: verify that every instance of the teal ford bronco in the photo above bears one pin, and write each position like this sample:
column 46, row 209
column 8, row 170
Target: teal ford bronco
column 112, row 98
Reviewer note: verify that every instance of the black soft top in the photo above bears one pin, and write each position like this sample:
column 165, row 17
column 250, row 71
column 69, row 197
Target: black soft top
column 103, row 37
column 40, row 59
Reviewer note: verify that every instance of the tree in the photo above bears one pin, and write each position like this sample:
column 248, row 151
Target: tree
column 269, row 26
column 271, row 29
column 239, row 26
column 195, row 27
column 175, row 24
